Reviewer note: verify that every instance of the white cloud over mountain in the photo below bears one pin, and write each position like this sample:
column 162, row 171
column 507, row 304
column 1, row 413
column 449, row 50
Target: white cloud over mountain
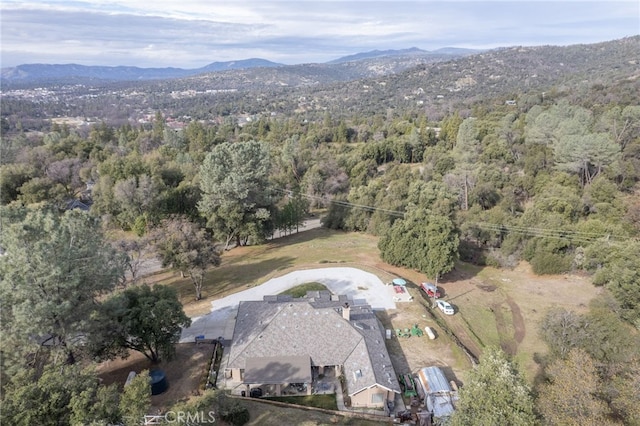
column 193, row 33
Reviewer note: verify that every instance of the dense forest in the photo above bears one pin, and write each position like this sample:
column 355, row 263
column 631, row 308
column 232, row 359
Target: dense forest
column 547, row 172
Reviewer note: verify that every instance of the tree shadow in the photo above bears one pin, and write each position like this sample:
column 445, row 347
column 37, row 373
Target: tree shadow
column 231, row 277
column 462, row 271
column 451, row 376
column 300, row 237
column 231, row 257
column 234, row 276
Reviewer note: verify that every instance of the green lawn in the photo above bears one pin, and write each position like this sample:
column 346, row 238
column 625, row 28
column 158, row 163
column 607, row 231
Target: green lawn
column 302, row 289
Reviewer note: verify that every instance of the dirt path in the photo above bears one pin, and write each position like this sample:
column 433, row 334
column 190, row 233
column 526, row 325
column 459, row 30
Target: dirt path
column 511, row 331
column 519, row 329
column 507, row 342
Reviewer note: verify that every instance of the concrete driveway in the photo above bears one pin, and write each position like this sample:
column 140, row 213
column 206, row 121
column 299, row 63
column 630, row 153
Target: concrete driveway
column 360, row 286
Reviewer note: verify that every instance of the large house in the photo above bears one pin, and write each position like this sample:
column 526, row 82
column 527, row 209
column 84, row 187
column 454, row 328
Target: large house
column 281, row 341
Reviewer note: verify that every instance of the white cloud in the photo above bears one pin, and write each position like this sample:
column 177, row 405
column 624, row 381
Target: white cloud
column 192, row 33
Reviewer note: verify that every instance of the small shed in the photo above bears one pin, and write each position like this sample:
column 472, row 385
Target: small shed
column 439, row 397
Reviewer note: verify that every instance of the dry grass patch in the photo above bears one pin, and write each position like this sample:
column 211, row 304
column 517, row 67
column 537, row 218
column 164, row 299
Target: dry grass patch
column 184, row 373
column 245, row 267
column 409, row 354
column 504, row 307
column 264, row 414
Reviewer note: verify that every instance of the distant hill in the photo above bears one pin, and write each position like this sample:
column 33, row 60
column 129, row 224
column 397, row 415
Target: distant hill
column 505, row 73
column 377, row 54
column 66, row 72
column 238, row 65
column 359, row 65
column 432, row 84
column 33, row 72
column 457, row 51
column 413, row 51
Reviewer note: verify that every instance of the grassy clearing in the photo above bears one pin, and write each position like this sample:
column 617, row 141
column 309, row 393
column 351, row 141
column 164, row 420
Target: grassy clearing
column 328, row 402
column 480, row 294
column 245, row 267
column 301, row 290
column 481, row 322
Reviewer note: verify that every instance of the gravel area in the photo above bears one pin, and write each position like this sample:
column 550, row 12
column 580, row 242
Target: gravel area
column 360, row 286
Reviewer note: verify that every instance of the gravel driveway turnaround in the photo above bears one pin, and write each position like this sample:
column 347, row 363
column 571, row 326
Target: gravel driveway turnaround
column 360, row 286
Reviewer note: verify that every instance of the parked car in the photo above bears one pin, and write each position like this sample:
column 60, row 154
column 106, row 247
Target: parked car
column 255, row 393
column 430, row 289
column 445, row 307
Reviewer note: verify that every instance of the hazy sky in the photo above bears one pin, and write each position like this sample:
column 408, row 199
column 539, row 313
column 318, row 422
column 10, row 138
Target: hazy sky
column 193, row 33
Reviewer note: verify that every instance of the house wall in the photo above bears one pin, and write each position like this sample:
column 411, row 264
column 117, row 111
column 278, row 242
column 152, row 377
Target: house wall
column 373, row 397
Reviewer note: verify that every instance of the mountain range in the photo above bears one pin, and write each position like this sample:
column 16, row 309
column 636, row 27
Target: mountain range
column 68, row 73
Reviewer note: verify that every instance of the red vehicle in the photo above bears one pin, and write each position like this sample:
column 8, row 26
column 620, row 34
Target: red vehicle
column 430, row 289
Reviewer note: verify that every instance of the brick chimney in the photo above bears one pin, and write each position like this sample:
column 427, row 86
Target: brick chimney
column 346, row 312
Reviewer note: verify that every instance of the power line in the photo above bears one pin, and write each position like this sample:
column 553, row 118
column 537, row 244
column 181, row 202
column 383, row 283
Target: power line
column 577, row 236
column 344, row 203
column 574, row 236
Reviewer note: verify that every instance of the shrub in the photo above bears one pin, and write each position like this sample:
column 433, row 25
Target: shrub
column 234, row 413
column 550, row 263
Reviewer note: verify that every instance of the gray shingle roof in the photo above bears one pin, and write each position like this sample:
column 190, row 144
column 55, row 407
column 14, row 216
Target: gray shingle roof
column 275, row 370
column 314, row 326
column 381, row 370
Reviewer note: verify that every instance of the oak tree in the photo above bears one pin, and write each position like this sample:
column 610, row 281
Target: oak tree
column 569, row 395
column 144, row 319
column 185, row 247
